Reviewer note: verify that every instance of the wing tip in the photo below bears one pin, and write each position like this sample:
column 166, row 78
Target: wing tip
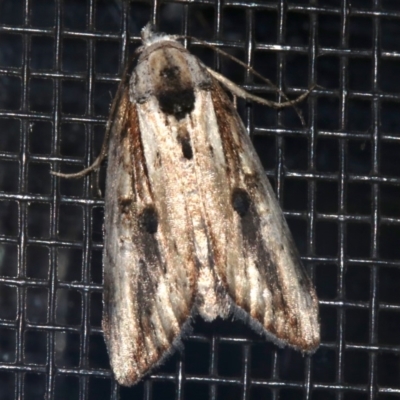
column 128, row 371
column 306, row 339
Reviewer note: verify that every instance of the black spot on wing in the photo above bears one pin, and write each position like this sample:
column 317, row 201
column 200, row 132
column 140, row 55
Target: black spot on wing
column 148, row 220
column 186, row 146
column 240, row 201
column 187, row 149
column 147, row 241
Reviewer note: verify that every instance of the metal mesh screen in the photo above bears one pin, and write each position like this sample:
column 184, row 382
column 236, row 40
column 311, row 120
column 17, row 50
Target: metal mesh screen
column 338, row 180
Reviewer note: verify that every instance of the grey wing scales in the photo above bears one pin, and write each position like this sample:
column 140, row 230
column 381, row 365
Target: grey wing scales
column 145, row 306
column 263, row 273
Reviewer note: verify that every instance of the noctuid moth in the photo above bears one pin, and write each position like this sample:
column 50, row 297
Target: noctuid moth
column 192, row 224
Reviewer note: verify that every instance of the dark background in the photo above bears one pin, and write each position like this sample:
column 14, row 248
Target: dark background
column 337, row 177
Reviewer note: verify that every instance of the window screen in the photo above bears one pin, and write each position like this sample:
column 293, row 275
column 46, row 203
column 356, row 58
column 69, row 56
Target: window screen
column 337, row 177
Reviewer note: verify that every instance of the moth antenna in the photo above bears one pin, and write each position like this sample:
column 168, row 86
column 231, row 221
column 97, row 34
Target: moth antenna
column 248, row 96
column 149, row 34
column 235, row 101
column 244, row 94
column 94, row 167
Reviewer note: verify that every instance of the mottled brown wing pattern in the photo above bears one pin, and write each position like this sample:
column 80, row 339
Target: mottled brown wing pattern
column 146, row 299
column 191, row 222
column 263, row 273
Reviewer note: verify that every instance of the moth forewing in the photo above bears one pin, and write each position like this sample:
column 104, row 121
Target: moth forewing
column 267, row 278
column 192, row 224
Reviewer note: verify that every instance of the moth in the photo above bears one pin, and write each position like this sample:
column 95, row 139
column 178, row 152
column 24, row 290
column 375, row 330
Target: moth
column 192, row 225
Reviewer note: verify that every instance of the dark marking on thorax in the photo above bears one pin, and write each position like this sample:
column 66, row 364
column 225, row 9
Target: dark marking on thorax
column 173, row 84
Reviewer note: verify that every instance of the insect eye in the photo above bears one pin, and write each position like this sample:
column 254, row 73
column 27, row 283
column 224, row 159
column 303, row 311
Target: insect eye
column 240, row 201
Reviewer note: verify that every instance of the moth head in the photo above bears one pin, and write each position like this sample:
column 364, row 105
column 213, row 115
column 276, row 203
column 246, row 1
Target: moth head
column 150, row 36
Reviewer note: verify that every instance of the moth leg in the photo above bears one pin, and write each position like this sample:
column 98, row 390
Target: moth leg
column 116, row 107
column 94, row 167
column 103, row 152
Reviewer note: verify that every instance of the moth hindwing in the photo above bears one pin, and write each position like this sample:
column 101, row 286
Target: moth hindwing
column 192, row 224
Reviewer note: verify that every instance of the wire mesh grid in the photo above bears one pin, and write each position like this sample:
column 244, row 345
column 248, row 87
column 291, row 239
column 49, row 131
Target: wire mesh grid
column 337, row 177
